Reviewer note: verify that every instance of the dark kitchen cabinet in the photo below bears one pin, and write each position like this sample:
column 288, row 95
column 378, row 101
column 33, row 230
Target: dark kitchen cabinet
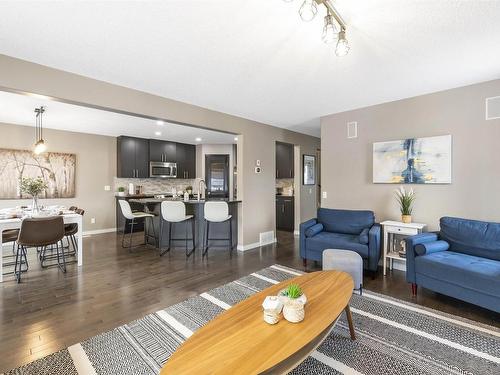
column 132, row 157
column 285, row 213
column 162, row 151
column 284, row 160
column 186, row 161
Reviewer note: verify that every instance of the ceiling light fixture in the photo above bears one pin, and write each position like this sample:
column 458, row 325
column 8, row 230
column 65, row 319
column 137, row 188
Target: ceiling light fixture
column 40, row 145
column 157, row 133
column 160, row 122
column 198, row 139
column 342, row 48
column 334, row 29
column 236, row 139
column 308, row 10
column 330, row 30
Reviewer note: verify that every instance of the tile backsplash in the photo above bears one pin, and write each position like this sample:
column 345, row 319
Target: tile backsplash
column 156, row 185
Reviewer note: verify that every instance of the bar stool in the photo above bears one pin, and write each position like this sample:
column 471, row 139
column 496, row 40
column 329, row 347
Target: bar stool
column 174, row 212
column 217, row 212
column 132, row 216
column 40, row 232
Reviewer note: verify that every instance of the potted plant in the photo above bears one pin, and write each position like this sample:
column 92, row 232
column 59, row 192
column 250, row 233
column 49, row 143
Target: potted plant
column 293, row 309
column 189, row 190
column 121, row 191
column 33, row 187
column 405, row 200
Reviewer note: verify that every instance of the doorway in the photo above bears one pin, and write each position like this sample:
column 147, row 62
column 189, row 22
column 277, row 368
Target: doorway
column 217, row 176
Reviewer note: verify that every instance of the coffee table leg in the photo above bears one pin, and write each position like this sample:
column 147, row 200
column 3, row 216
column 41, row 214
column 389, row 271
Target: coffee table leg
column 349, row 320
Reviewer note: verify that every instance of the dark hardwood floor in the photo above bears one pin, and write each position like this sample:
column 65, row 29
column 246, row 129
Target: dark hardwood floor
column 50, row 310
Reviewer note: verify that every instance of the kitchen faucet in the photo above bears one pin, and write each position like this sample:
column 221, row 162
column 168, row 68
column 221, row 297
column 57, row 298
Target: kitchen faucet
column 202, row 181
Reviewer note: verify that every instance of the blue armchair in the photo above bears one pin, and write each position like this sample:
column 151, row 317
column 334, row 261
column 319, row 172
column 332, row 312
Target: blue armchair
column 461, row 261
column 341, row 229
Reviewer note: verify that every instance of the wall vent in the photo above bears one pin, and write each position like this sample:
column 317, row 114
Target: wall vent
column 267, row 237
column 493, row 108
column 352, row 129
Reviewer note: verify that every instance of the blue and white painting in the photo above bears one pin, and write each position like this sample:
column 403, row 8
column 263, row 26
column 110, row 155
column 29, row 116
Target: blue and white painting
column 413, row 161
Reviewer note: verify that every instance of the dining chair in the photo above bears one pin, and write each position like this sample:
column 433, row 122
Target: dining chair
column 132, row 217
column 174, row 212
column 10, row 235
column 217, row 212
column 40, row 232
column 70, row 231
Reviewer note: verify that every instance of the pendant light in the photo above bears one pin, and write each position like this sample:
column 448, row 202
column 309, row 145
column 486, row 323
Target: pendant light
column 39, row 146
column 342, row 48
column 308, row 10
column 330, row 30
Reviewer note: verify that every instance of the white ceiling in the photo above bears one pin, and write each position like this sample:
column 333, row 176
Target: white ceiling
column 255, row 58
column 19, row 109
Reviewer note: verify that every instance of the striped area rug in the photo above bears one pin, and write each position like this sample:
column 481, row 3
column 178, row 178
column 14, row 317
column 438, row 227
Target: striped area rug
column 393, row 337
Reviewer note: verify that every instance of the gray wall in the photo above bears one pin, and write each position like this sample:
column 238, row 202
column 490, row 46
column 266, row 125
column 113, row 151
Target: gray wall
column 474, row 192
column 255, row 140
column 95, row 168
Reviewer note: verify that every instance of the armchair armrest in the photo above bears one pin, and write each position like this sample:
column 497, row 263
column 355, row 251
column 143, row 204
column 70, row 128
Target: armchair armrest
column 374, row 247
column 302, row 239
column 411, row 242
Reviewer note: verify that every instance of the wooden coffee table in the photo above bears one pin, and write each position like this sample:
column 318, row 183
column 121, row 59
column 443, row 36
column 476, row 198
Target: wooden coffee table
column 238, row 341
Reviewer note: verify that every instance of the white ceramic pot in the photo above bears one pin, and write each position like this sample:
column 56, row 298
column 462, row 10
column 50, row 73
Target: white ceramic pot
column 284, row 299
column 294, row 312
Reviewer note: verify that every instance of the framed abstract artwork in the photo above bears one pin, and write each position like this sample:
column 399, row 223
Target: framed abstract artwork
column 309, row 169
column 413, row 161
column 55, row 168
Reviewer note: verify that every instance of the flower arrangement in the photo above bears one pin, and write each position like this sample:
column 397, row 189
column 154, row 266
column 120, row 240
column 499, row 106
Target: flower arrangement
column 33, row 186
column 405, row 200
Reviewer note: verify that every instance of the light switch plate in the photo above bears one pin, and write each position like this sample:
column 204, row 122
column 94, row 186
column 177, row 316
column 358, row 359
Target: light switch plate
column 325, row 195
column 257, row 163
column 92, row 221
column 107, row 188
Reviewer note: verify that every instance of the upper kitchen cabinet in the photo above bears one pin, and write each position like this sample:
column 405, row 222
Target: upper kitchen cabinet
column 186, row 161
column 132, row 157
column 162, row 151
column 284, row 160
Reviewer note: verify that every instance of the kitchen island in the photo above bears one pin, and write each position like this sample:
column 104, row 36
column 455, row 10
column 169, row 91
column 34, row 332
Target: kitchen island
column 196, row 208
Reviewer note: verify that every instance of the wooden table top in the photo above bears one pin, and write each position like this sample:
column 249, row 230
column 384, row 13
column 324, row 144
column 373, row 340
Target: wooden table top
column 238, row 341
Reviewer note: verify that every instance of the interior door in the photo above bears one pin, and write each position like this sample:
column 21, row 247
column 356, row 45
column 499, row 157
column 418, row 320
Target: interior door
column 217, row 176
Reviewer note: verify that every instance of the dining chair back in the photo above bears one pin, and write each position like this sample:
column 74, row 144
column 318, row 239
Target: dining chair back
column 40, row 233
column 173, row 211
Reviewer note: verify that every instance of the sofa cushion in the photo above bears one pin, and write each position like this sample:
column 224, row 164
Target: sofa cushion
column 467, row 271
column 479, row 238
column 328, row 240
column 314, row 230
column 345, row 221
column 363, row 236
column 431, row 247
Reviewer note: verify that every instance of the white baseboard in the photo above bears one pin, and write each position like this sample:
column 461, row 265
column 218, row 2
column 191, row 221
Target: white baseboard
column 255, row 244
column 98, row 231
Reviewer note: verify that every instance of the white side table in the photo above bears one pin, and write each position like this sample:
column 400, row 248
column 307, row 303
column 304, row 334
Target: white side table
column 392, row 228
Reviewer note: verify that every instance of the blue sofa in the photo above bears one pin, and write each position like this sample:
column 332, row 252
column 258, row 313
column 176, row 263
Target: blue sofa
column 461, row 261
column 341, row 229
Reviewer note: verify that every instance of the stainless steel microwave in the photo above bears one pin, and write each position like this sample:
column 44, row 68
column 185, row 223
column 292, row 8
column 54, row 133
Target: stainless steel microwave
column 159, row 169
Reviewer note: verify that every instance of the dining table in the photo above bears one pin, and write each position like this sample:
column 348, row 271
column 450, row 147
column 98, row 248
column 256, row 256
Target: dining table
column 13, row 218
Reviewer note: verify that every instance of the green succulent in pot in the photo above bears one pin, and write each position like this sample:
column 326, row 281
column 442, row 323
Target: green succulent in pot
column 293, row 291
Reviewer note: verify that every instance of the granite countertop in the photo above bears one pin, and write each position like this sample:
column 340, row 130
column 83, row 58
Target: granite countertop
column 191, row 201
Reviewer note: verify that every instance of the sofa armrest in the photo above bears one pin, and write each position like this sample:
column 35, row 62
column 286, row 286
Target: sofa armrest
column 374, row 247
column 302, row 236
column 411, row 242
